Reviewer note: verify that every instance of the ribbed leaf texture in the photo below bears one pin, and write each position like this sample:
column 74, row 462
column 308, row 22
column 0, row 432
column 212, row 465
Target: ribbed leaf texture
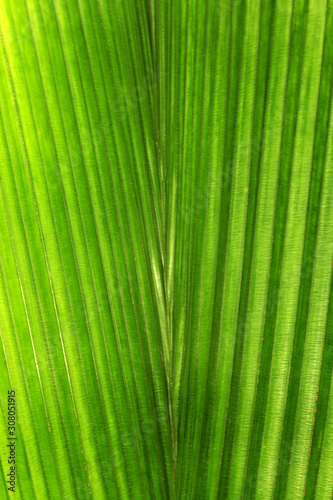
column 166, row 245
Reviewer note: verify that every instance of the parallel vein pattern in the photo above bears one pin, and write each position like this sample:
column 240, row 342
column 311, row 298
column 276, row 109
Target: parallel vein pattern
column 166, row 248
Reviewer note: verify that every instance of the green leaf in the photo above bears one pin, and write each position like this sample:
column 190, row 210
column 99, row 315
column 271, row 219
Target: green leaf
column 166, row 250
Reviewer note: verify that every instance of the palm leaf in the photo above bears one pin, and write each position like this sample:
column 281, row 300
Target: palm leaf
column 166, row 248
